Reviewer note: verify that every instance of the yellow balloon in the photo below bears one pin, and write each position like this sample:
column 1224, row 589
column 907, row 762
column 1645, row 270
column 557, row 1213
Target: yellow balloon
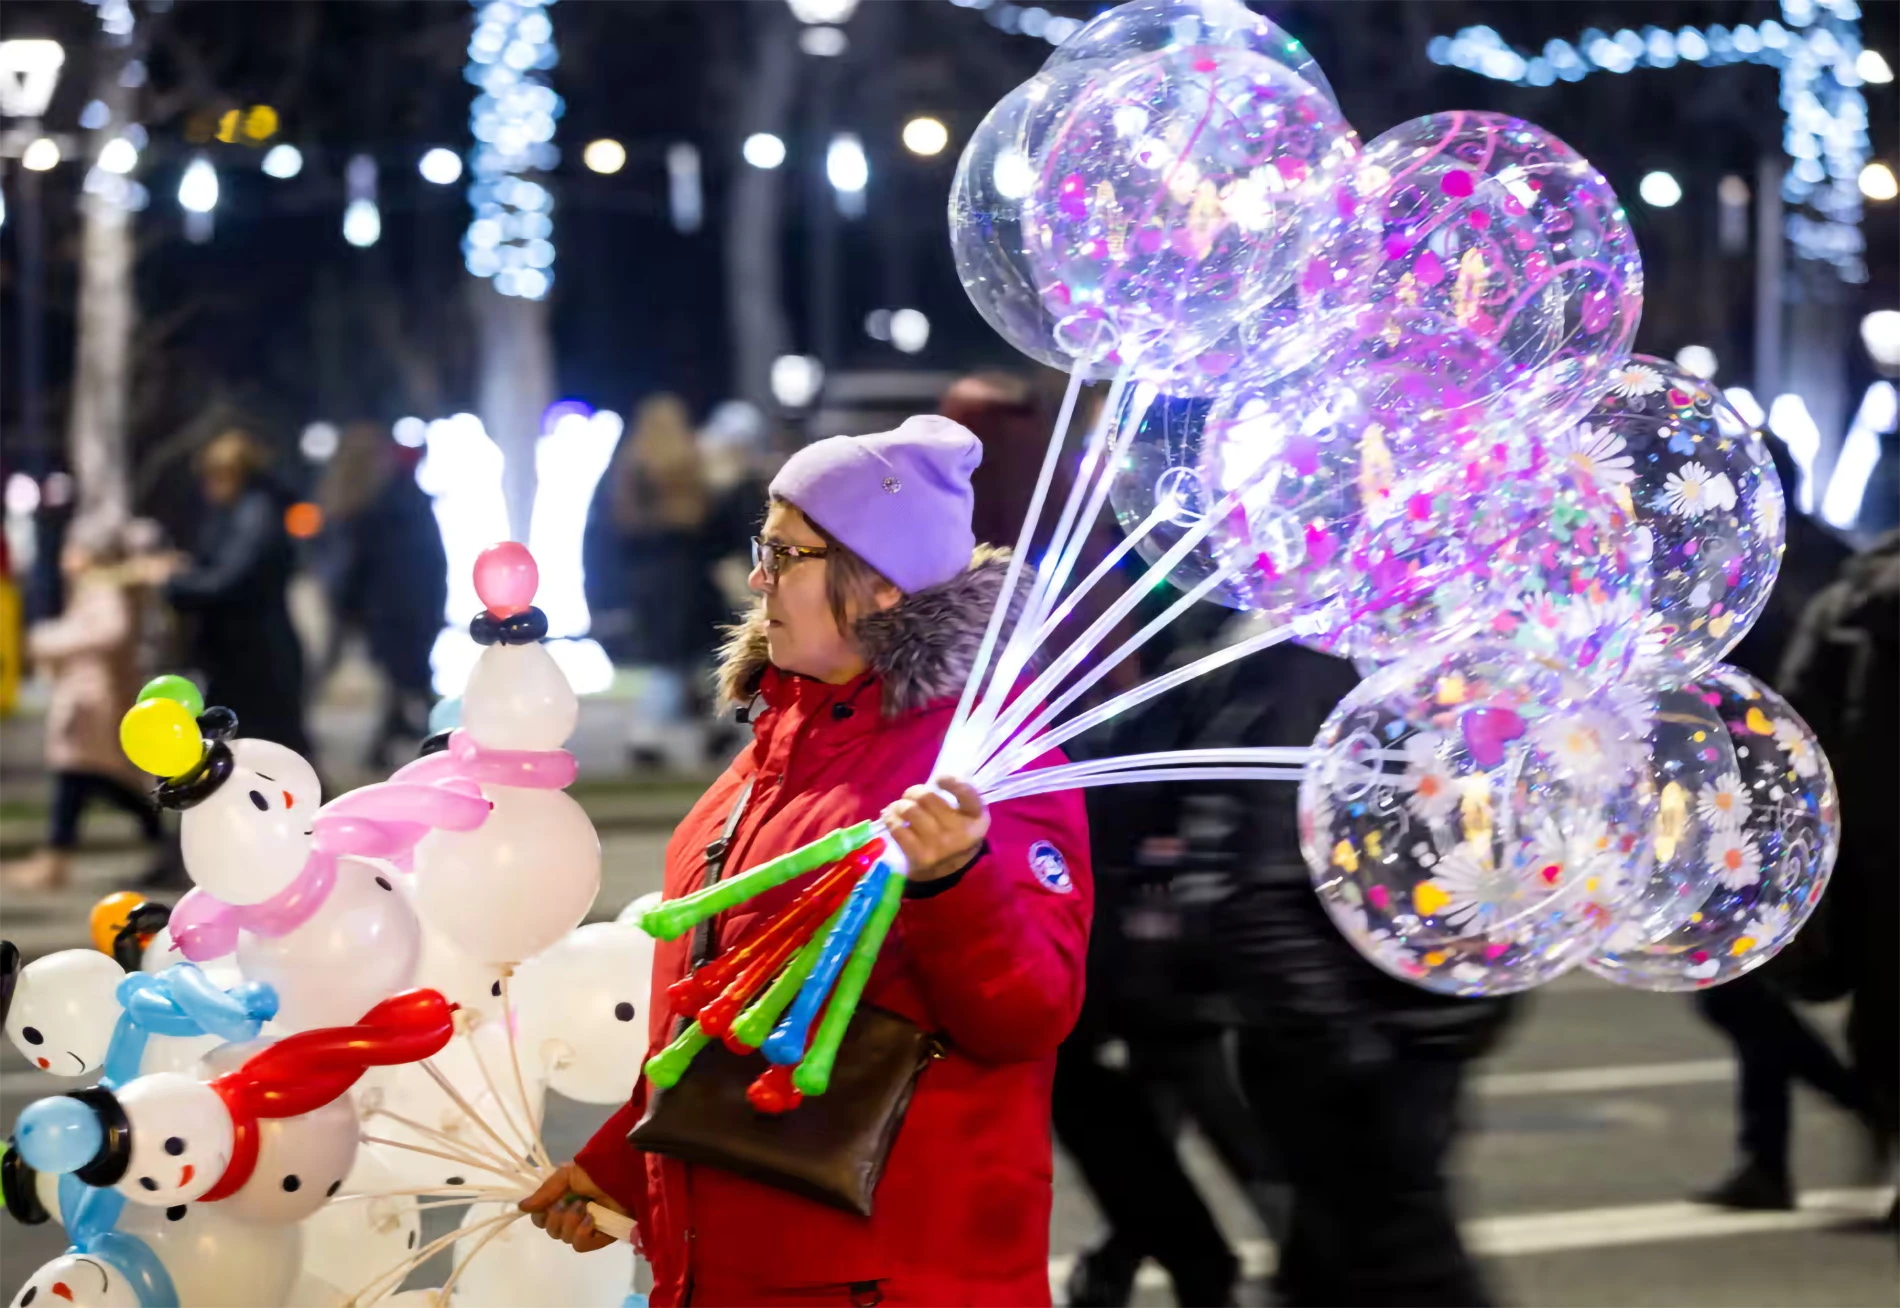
column 161, row 736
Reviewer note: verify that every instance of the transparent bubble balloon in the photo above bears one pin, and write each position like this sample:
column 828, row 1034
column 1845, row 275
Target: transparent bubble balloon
column 1473, row 818
column 1705, row 495
column 1762, row 819
column 1498, row 280
column 1179, row 192
column 1146, row 26
column 994, row 176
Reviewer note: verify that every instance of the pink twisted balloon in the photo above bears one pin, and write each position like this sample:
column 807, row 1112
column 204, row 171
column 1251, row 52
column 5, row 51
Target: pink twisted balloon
column 440, row 792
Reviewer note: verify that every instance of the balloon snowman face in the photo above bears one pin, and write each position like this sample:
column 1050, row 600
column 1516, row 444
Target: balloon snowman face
column 342, row 1241
column 64, row 1008
column 582, row 1011
column 75, row 1280
column 182, row 1139
column 249, row 839
column 301, row 1161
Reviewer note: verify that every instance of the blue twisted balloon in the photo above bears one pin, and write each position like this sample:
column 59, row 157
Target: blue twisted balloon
column 182, row 1001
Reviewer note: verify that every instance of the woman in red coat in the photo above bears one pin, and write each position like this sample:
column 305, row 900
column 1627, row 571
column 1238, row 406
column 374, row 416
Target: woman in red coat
column 873, row 600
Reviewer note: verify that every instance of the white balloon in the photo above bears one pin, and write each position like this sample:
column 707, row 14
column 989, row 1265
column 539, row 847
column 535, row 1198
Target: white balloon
column 358, row 949
column 514, row 885
column 348, row 1242
column 461, row 980
column 407, row 1091
column 248, row 840
column 429, row 1298
column 161, row 953
column 83, row 1281
column 64, row 1008
column 518, row 698
column 181, row 1054
column 215, row 1260
column 523, row 1266
column 633, row 912
column 182, row 1139
column 581, row 1011
column 314, row 1292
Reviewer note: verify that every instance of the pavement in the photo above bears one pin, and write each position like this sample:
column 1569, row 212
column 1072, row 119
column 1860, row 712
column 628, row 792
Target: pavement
column 1586, row 1130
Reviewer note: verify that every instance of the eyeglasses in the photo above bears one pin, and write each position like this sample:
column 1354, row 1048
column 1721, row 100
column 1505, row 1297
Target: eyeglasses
column 770, row 557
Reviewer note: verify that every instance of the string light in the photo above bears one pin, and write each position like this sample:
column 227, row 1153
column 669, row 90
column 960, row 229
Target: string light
column 283, row 161
column 1659, row 190
column 41, row 155
column 763, row 150
column 1817, row 47
column 441, row 166
column 604, row 156
column 925, row 136
column 1031, row 20
column 512, row 120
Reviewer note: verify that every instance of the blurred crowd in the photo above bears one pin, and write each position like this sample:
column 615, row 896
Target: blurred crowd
column 1219, row 992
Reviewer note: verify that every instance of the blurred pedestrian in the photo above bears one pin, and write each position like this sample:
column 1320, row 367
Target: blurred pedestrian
column 738, row 465
column 90, row 655
column 660, row 504
column 234, row 587
column 388, row 574
column 1355, row 1077
column 1775, row 1046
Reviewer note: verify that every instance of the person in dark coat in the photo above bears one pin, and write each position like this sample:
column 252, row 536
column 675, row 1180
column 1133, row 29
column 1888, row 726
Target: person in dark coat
column 389, row 574
column 1354, row 1076
column 235, row 586
column 1775, row 1046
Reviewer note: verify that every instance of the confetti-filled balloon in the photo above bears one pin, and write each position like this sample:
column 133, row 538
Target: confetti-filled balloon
column 1472, row 820
column 994, row 176
column 1706, row 496
column 1146, row 26
column 1502, row 282
column 1762, row 818
column 161, row 737
column 1179, row 194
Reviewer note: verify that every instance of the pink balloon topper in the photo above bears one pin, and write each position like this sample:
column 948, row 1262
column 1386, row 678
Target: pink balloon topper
column 506, row 578
column 387, row 820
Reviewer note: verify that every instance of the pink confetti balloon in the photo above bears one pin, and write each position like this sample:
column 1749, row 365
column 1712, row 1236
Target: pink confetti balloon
column 1754, row 806
column 1142, row 27
column 1496, row 279
column 506, row 578
column 1177, row 195
column 1473, row 819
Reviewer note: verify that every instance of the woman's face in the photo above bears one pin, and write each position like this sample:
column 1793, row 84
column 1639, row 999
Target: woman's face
column 801, row 634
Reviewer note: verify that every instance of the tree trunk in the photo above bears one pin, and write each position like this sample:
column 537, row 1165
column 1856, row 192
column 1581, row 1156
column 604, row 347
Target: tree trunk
column 755, row 298
column 97, row 423
column 516, row 387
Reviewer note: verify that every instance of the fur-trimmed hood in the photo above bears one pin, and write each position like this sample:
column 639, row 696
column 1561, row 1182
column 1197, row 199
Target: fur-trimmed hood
column 921, row 649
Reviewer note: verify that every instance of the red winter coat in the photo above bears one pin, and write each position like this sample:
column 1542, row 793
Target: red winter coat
column 994, row 964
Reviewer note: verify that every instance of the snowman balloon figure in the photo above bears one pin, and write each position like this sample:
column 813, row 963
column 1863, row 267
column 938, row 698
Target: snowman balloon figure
column 505, row 891
column 331, row 934
column 167, row 1139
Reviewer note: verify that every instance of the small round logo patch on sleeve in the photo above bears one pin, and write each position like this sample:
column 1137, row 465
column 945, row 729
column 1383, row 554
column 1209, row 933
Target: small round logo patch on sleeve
column 1046, row 861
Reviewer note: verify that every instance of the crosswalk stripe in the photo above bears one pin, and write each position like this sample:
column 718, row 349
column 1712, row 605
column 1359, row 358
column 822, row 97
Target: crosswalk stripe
column 1601, row 1080
column 1529, row 1234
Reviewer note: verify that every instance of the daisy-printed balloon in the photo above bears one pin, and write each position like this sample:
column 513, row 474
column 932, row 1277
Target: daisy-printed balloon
column 1474, row 820
column 1706, row 499
column 1755, row 810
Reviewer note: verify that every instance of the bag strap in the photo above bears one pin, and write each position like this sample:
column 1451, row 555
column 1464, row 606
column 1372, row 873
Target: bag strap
column 716, row 868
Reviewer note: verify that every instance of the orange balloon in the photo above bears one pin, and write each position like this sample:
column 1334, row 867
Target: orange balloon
column 111, row 916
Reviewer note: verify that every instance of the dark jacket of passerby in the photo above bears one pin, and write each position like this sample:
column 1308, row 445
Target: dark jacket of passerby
column 1842, row 674
column 659, row 504
column 1354, row 1074
column 236, row 589
column 396, row 580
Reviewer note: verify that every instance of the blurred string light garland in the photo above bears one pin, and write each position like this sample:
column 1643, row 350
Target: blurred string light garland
column 512, row 120
column 1818, row 49
column 1029, row 20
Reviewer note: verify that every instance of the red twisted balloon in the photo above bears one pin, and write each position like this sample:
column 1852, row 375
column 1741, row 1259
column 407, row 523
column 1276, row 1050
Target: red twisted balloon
column 303, row 1072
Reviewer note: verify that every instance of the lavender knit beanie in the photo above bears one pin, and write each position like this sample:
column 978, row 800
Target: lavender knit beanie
column 900, row 500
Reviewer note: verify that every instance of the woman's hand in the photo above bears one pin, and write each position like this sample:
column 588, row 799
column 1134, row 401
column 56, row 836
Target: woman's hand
column 560, row 1208
column 937, row 838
